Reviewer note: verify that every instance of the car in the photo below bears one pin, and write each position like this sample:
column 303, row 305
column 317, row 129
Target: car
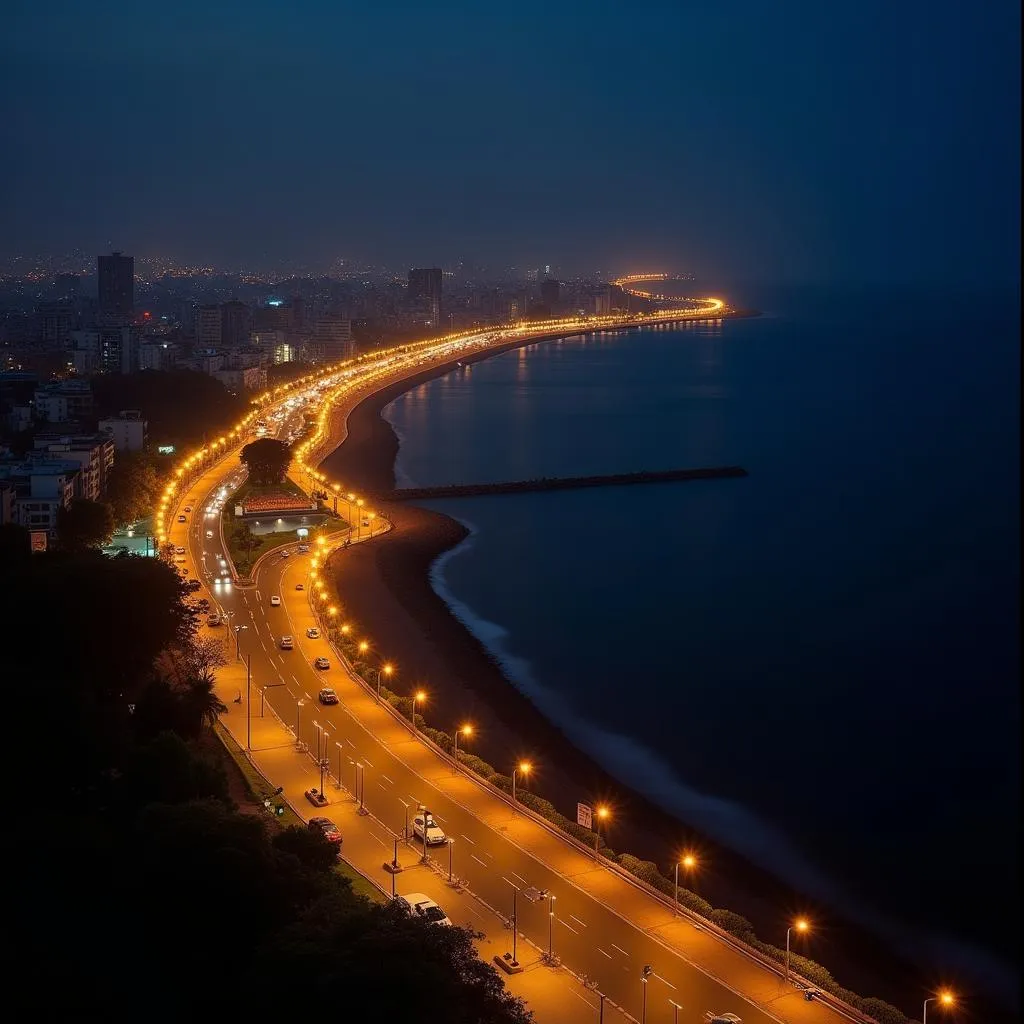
column 202, row 604
column 213, row 620
column 322, row 663
column 365, row 521
column 435, row 834
column 300, row 586
column 188, row 508
column 275, row 602
column 287, row 643
column 209, row 534
column 303, row 548
column 182, row 519
column 326, row 828
column 193, row 585
column 721, row 1018
column 313, row 633
column 179, row 550
column 327, row 696
column 285, row 553
column 421, row 905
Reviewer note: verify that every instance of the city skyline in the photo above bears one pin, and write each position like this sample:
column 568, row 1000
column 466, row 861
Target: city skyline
column 875, row 143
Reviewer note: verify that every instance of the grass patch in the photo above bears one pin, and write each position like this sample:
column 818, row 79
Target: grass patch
column 246, row 547
column 260, row 789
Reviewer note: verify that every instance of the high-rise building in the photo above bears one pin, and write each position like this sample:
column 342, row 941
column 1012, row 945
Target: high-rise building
column 236, row 324
column 208, row 327
column 425, row 290
column 117, row 285
column 332, row 338
column 550, row 291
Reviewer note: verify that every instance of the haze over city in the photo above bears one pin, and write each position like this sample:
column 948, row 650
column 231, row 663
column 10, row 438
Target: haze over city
column 794, row 142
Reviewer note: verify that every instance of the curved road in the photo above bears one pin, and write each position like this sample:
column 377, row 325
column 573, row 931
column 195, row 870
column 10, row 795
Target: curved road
column 603, row 927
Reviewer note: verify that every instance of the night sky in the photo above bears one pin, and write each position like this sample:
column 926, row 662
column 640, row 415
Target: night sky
column 743, row 139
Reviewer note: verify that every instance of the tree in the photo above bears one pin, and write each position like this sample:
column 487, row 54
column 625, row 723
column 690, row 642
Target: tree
column 14, row 544
column 202, row 705
column 84, row 524
column 267, row 460
column 312, row 849
column 133, row 488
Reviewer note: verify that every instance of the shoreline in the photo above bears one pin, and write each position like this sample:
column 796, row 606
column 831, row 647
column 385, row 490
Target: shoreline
column 388, row 584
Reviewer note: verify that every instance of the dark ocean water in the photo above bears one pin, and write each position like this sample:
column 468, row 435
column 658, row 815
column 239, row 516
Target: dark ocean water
column 817, row 664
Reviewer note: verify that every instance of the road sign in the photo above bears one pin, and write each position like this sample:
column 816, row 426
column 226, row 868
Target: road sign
column 37, row 540
column 585, row 815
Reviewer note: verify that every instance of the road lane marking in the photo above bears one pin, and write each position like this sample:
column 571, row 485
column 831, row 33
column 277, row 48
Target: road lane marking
column 582, row 999
column 578, row 921
column 383, row 776
column 603, row 953
column 366, row 760
column 565, row 924
column 468, row 840
column 619, row 948
column 669, row 983
column 482, row 863
column 349, row 742
column 520, row 877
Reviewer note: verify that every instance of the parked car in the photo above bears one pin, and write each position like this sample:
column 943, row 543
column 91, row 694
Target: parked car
column 193, row 584
column 179, row 550
column 275, row 602
column 322, row 663
column 300, row 586
column 182, row 519
column 326, row 828
column 313, row 633
column 420, row 904
column 213, row 620
column 287, row 643
column 188, row 508
column 434, row 833
column 327, row 696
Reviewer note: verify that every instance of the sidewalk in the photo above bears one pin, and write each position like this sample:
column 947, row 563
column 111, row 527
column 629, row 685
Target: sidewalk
column 553, row 994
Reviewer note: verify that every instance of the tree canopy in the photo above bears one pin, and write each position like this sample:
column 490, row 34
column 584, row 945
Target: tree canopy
column 133, row 487
column 142, row 880
column 267, row 460
column 84, row 524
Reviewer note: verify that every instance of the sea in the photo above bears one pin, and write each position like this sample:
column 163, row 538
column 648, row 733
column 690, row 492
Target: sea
column 817, row 664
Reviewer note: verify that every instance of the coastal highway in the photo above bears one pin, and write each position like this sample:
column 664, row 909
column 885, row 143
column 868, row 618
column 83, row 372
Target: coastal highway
column 603, row 927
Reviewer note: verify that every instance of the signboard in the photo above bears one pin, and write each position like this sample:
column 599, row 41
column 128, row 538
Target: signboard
column 165, row 449
column 302, row 531
column 37, row 540
column 585, row 815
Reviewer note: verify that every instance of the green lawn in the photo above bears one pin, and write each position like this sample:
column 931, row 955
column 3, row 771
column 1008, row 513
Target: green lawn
column 245, row 556
column 261, row 788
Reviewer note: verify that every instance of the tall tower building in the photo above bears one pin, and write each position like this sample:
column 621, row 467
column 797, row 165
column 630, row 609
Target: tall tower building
column 425, row 288
column 209, row 324
column 117, row 285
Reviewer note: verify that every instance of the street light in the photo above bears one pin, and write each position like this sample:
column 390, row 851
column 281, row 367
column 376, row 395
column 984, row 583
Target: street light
column 801, row 925
column 676, row 1007
column 341, row 785
column 551, row 928
column 467, row 731
column 298, row 714
column 689, row 862
column 405, row 831
column 644, row 975
column 451, row 843
column 601, row 813
column 387, row 668
column 944, row 998
column 417, row 698
column 263, row 695
column 524, row 767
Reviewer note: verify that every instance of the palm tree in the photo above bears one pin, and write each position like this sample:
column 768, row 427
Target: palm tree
column 202, row 705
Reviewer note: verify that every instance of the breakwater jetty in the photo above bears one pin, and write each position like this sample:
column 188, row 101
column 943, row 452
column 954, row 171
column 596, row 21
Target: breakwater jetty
column 566, row 483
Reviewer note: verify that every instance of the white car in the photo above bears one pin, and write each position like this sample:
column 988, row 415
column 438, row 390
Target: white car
column 287, row 643
column 313, row 633
column 721, row 1018
column 322, row 663
column 209, row 534
column 179, row 550
column 420, row 904
column 275, row 602
column 188, row 508
column 435, row 834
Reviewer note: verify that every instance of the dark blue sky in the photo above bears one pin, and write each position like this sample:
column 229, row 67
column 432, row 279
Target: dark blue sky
column 782, row 141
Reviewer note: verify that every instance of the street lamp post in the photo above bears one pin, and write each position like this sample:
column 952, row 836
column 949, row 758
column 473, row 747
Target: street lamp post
column 405, row 831
column 263, row 695
column 689, row 862
column 417, row 698
column 801, row 925
column 676, row 1007
column 515, row 924
column 298, row 715
column 387, row 669
column 551, row 928
column 238, row 650
column 248, row 700
column 644, row 975
column 341, row 785
column 525, row 768
column 944, row 998
column 600, row 813
column 467, row 731
column 451, row 843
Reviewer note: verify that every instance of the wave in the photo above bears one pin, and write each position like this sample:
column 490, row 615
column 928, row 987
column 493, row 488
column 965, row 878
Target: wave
column 722, row 820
